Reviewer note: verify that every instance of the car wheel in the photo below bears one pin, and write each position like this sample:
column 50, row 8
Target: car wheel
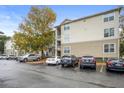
column 57, row 62
column 38, row 59
column 62, row 65
column 73, row 65
column 81, row 67
column 107, row 69
column 94, row 67
column 25, row 60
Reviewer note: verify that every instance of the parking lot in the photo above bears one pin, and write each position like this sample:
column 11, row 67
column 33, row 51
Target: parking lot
column 15, row 74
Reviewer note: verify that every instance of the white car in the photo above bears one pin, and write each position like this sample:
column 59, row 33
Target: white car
column 3, row 56
column 53, row 60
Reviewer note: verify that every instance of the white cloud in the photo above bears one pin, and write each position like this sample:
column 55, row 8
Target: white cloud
column 9, row 23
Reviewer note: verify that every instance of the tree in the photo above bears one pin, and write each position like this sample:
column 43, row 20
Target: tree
column 122, row 42
column 36, row 31
column 3, row 39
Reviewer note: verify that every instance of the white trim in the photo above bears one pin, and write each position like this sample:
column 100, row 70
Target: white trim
column 109, row 45
column 69, row 48
column 90, row 41
column 109, row 37
column 108, row 15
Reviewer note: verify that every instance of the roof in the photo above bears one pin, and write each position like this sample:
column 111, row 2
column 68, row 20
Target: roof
column 109, row 11
column 66, row 21
column 1, row 32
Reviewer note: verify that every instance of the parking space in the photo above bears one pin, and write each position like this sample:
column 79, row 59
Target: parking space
column 15, row 74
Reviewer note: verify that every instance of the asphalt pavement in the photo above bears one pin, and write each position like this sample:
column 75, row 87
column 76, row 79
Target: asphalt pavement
column 21, row 75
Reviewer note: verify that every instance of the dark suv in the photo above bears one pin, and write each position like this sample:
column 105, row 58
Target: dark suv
column 88, row 61
column 70, row 60
column 115, row 64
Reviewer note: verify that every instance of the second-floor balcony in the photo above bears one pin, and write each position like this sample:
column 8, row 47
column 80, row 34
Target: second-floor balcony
column 58, row 37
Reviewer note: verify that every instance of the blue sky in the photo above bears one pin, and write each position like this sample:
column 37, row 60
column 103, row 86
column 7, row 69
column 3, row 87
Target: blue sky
column 11, row 16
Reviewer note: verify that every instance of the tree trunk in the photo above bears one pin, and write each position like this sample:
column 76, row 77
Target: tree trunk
column 43, row 54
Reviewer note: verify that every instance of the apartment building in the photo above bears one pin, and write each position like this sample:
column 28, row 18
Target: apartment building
column 96, row 35
column 9, row 48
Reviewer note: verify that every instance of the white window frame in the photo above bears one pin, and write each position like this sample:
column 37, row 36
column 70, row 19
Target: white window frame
column 108, row 15
column 109, row 32
column 109, row 48
column 66, row 26
column 66, row 47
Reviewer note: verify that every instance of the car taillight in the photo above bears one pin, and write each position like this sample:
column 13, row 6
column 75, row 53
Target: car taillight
column 109, row 63
column 94, row 61
column 123, row 65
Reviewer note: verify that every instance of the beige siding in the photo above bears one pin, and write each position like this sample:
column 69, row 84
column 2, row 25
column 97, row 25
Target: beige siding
column 90, row 29
column 94, row 48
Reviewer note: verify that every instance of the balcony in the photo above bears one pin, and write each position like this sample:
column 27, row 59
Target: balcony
column 58, row 37
column 58, row 47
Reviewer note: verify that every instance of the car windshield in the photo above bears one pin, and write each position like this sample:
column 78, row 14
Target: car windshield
column 26, row 55
column 3, row 55
column 11, row 55
column 117, row 60
column 66, row 57
column 87, row 56
column 58, row 57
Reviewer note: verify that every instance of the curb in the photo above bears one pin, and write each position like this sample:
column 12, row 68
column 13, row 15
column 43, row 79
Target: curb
column 35, row 62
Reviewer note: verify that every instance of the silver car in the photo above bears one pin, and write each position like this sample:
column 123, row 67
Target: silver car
column 29, row 57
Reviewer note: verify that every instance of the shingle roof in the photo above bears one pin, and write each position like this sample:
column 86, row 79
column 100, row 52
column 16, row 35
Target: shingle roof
column 115, row 9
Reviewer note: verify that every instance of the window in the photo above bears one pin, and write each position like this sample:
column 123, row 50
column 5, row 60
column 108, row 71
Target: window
column 106, row 48
column 109, row 17
column 66, row 38
column 109, row 32
column 106, row 33
column 66, row 27
column 66, row 50
column 106, row 19
column 109, row 48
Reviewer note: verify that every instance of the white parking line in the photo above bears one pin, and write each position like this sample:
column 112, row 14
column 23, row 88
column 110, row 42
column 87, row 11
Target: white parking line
column 101, row 68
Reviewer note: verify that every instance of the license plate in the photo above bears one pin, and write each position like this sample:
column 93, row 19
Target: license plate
column 118, row 65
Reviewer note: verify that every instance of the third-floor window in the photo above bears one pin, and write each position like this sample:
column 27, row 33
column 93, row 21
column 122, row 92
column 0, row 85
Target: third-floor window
column 66, row 27
column 108, row 17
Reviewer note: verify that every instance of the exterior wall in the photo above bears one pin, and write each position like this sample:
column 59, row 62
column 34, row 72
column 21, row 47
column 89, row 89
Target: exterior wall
column 93, row 48
column 86, row 37
column 90, row 29
column 9, row 48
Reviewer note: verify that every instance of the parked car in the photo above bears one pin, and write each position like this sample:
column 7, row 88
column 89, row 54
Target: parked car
column 11, row 57
column 53, row 60
column 69, row 60
column 29, row 57
column 88, row 61
column 3, row 56
column 115, row 64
